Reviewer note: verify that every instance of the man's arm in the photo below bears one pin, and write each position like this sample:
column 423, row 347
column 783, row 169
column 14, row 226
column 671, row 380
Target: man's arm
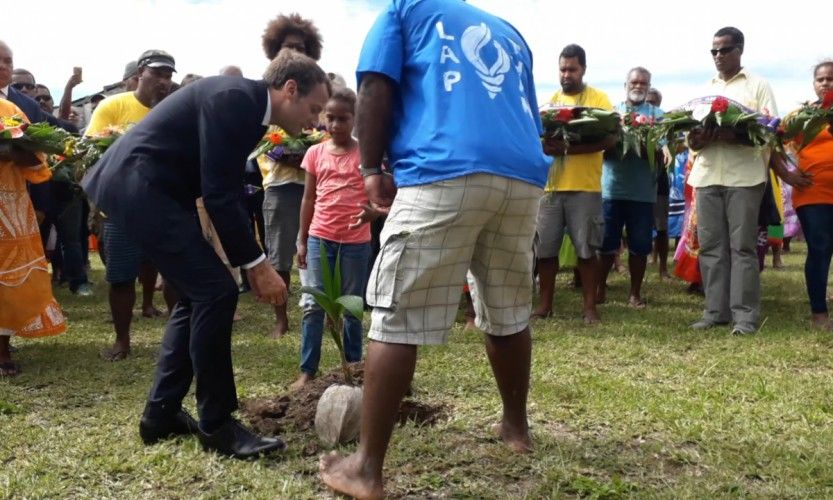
column 374, row 120
column 65, row 107
column 797, row 179
column 307, row 211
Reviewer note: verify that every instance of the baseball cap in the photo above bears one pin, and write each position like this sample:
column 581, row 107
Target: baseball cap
column 130, row 69
column 156, row 59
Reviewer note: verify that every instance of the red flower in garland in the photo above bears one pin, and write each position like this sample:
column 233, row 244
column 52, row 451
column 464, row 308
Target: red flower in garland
column 720, row 105
column 275, row 138
column 827, row 100
column 563, row 115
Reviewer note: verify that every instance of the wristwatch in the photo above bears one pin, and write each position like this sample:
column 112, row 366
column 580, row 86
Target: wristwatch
column 368, row 171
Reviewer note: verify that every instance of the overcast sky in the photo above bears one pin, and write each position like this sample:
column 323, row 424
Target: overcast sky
column 782, row 44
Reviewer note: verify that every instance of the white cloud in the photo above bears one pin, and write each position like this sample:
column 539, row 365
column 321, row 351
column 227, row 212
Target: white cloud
column 669, row 38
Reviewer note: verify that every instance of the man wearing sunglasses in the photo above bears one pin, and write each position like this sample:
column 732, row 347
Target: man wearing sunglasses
column 24, row 81
column 44, row 98
column 729, row 176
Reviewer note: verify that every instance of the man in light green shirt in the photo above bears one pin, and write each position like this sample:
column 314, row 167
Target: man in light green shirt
column 730, row 176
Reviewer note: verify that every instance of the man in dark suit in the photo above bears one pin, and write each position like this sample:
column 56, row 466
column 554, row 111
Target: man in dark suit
column 195, row 143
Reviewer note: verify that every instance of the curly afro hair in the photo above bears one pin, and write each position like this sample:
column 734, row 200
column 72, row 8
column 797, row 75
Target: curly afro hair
column 293, row 24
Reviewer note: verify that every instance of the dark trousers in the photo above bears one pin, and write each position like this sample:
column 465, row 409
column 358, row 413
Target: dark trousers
column 817, row 224
column 68, row 225
column 197, row 340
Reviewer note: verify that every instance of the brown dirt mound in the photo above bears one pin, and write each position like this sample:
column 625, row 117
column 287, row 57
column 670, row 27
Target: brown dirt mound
column 296, row 410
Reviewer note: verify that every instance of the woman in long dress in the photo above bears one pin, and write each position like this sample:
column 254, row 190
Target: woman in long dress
column 27, row 307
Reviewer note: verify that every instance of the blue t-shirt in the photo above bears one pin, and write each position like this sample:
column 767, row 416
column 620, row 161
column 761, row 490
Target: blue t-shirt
column 632, row 177
column 466, row 99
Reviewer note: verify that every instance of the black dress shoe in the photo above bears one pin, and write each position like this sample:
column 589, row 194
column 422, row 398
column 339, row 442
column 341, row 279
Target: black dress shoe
column 153, row 430
column 236, row 441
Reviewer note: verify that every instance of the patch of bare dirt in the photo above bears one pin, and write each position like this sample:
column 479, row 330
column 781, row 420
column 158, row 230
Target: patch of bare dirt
column 296, row 410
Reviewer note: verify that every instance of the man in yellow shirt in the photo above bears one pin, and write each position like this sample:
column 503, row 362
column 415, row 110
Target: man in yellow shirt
column 124, row 260
column 730, row 176
column 573, row 200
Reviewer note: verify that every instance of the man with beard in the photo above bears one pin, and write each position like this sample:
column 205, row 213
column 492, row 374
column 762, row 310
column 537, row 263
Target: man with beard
column 572, row 201
column 730, row 176
column 124, row 259
column 629, row 190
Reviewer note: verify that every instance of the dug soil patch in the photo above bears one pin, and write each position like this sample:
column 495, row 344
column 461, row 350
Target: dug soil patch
column 295, row 411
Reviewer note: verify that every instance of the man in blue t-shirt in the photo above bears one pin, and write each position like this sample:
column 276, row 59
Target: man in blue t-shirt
column 629, row 190
column 446, row 90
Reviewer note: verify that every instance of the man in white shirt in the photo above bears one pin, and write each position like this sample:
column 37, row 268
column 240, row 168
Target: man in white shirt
column 730, row 175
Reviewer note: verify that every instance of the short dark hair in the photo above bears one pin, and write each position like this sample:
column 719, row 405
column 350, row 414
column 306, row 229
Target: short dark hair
column 21, row 71
column 573, row 50
column 346, row 96
column 639, row 69
column 293, row 24
column 41, row 86
column 292, row 65
column 822, row 64
column 736, row 34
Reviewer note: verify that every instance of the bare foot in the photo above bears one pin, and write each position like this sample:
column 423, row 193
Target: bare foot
column 151, row 312
column 821, row 322
column 281, row 321
column 591, row 317
column 346, row 475
column 469, row 324
column 280, row 329
column 663, row 275
column 118, row 352
column 303, row 379
column 517, row 441
column 237, row 316
column 540, row 314
column 637, row 302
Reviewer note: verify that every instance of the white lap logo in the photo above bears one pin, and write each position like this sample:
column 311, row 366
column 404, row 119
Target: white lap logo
column 474, row 39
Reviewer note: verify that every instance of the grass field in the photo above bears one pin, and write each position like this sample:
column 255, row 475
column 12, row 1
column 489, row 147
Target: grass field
column 640, row 406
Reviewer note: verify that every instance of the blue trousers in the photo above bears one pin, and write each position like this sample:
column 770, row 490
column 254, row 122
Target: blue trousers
column 355, row 259
column 817, row 224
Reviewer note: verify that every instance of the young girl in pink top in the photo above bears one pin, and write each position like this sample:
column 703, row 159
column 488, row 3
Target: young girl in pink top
column 333, row 193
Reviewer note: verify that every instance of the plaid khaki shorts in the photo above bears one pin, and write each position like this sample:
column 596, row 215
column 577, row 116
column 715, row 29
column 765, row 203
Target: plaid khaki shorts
column 437, row 232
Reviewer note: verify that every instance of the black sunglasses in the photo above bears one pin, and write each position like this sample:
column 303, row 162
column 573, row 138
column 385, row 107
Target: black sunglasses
column 723, row 50
column 41, row 98
column 23, row 86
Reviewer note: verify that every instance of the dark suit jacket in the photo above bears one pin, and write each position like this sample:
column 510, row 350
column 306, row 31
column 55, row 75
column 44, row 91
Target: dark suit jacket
column 194, row 143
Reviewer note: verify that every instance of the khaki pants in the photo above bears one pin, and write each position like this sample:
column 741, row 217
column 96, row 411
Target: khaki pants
column 727, row 227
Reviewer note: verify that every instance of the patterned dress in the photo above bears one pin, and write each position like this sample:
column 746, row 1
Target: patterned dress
column 27, row 307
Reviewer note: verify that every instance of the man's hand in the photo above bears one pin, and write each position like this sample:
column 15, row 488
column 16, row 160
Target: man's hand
column 368, row 213
column 75, row 79
column 554, row 147
column 380, row 189
column 699, row 138
column 267, row 286
column 797, row 179
column 301, row 252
